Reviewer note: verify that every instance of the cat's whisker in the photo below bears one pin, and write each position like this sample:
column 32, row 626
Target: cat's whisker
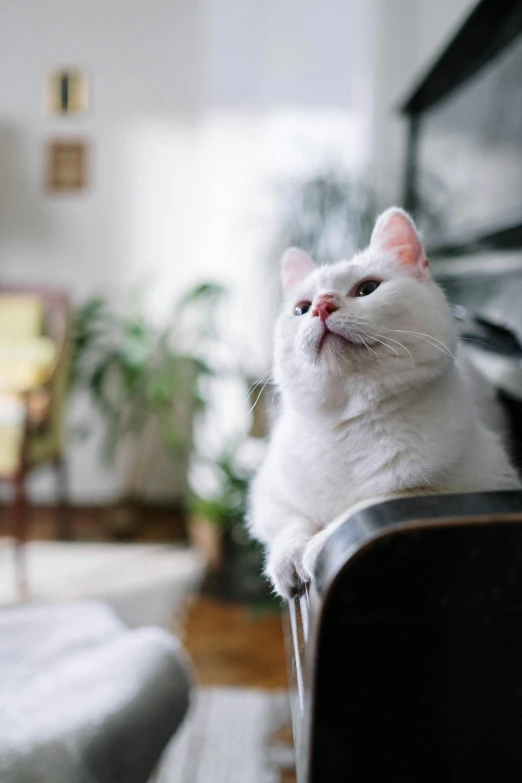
column 370, row 349
column 261, row 379
column 258, row 396
column 434, row 345
column 485, row 343
column 400, row 344
column 430, row 336
column 426, row 340
column 373, row 337
column 253, row 386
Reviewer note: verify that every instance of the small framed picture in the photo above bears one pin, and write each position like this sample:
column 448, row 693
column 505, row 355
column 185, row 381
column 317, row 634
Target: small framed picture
column 66, row 91
column 67, row 162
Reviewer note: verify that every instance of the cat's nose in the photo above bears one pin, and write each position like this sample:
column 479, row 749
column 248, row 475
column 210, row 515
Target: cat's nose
column 324, row 306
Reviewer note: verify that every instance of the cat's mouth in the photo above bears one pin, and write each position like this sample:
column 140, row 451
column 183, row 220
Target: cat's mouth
column 329, row 333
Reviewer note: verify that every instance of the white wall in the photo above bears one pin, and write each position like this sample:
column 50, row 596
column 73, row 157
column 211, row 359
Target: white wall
column 142, row 59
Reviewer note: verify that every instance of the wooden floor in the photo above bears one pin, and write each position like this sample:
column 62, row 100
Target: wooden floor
column 151, row 524
column 231, row 645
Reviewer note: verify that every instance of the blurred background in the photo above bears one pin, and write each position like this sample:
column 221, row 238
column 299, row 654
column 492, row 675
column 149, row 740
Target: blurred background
column 155, row 160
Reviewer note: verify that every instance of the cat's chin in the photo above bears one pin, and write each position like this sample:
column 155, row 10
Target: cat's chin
column 335, row 341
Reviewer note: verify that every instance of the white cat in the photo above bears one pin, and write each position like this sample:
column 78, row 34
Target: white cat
column 374, row 403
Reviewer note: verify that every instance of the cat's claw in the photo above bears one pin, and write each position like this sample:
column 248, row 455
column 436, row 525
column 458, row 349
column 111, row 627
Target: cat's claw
column 285, row 570
column 311, row 552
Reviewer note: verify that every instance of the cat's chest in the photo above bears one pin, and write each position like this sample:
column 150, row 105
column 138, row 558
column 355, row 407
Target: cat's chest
column 325, row 473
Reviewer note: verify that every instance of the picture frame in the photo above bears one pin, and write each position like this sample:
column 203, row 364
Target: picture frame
column 67, row 164
column 66, row 92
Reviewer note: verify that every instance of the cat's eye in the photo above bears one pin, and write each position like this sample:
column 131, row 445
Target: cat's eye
column 302, row 307
column 367, row 287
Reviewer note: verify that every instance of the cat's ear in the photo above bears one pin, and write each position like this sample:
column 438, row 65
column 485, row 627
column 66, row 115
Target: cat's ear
column 396, row 233
column 295, row 266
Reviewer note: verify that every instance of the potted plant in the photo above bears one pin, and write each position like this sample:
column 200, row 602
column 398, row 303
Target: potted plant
column 143, row 381
column 218, row 527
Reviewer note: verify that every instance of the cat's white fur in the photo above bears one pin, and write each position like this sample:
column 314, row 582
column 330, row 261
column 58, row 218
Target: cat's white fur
column 390, row 412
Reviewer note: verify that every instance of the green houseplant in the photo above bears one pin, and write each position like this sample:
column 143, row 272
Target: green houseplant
column 329, row 213
column 141, row 377
column 236, row 570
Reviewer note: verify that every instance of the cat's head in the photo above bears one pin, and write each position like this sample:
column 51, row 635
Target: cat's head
column 377, row 320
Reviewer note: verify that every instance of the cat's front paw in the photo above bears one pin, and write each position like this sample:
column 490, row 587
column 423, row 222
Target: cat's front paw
column 284, row 567
column 311, row 552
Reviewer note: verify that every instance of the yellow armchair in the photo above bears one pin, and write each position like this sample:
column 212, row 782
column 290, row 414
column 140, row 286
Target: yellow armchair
column 35, row 352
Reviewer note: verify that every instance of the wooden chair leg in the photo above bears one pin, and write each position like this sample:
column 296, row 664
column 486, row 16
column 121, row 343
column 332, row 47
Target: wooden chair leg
column 64, row 526
column 21, row 523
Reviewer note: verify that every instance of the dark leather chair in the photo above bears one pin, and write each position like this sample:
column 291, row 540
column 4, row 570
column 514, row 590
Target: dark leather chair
column 406, row 651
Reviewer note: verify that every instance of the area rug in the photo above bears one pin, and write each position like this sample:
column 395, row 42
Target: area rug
column 145, row 584
column 228, row 737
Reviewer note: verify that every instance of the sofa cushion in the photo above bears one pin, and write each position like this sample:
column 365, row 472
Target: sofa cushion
column 82, row 698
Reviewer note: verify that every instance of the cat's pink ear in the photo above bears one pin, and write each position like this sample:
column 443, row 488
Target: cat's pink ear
column 396, row 233
column 296, row 265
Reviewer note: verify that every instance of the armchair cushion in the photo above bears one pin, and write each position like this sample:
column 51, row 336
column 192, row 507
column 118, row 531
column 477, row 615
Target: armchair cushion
column 21, row 315
column 12, row 427
column 25, row 362
column 34, row 369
